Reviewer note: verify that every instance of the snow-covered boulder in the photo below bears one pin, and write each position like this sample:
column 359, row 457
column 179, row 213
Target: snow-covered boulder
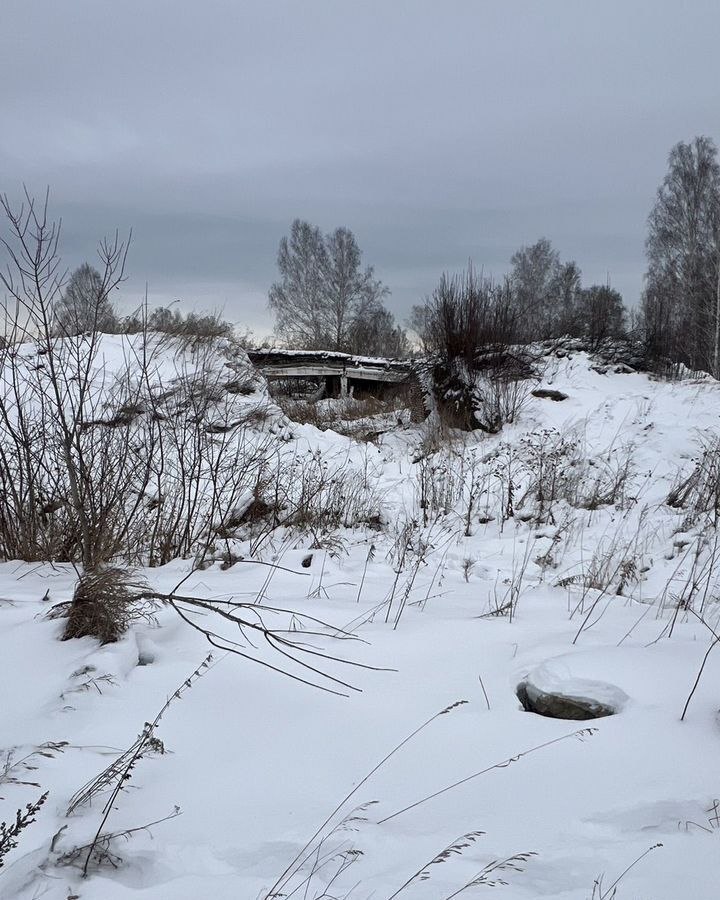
column 551, row 690
column 544, row 393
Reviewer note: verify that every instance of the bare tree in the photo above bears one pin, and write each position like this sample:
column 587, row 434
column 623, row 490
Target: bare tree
column 600, row 314
column 546, row 290
column 680, row 302
column 298, row 299
column 534, row 274
column 353, row 294
column 322, row 288
column 568, row 294
column 419, row 322
column 84, row 304
column 373, row 332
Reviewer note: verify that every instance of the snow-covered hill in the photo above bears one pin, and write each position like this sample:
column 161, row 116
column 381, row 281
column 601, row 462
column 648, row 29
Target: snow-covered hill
column 572, row 544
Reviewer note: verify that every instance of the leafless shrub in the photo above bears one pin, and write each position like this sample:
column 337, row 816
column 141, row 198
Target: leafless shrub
column 304, row 412
column 502, row 399
column 467, row 312
column 550, row 460
column 471, row 325
column 325, row 414
column 190, row 331
column 557, row 471
column 204, row 468
column 435, row 437
column 440, row 484
column 317, row 493
column 44, row 401
column 97, row 462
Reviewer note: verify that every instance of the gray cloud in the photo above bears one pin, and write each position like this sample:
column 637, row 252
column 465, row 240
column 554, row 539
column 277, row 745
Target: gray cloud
column 438, row 132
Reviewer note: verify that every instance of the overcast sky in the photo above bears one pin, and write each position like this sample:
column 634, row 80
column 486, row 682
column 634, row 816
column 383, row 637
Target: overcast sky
column 437, row 131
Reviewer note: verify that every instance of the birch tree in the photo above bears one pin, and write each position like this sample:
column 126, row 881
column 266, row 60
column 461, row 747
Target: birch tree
column 323, row 288
column 681, row 301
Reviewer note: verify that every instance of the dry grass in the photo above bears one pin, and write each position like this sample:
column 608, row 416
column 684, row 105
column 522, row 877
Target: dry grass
column 699, row 492
column 103, row 605
column 360, row 418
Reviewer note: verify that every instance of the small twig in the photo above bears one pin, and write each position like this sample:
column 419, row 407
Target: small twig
column 487, row 700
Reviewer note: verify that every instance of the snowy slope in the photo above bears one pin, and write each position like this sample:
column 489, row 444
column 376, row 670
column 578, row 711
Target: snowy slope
column 256, row 761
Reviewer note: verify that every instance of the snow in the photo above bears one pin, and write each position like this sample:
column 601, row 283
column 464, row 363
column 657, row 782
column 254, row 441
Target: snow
column 257, row 761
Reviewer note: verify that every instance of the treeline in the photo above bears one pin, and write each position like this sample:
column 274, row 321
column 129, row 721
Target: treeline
column 83, row 306
column 542, row 298
column 325, row 299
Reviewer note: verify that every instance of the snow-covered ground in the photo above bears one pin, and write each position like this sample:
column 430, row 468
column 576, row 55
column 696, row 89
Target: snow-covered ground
column 256, row 761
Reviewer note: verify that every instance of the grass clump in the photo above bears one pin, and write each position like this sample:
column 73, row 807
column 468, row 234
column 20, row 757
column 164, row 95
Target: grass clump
column 104, row 604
